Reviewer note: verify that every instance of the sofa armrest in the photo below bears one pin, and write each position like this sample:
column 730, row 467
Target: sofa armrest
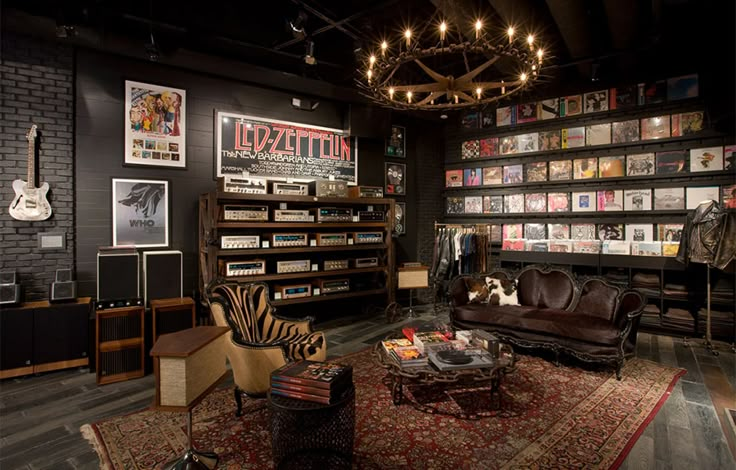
column 630, row 307
column 457, row 291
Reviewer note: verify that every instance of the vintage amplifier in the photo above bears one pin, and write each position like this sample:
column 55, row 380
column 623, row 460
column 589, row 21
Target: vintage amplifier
column 332, row 239
column 327, row 188
column 232, row 212
column 293, row 266
column 289, row 239
column 366, row 191
column 291, row 215
column 252, row 267
column 360, row 238
column 371, row 216
column 366, row 262
column 294, row 291
column 240, row 185
column 334, row 214
column 335, row 264
column 235, row 242
column 291, row 189
column 332, row 286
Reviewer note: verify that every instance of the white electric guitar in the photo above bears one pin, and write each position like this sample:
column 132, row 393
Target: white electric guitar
column 30, row 202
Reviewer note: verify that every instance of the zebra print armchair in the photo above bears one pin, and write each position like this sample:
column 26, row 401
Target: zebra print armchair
column 260, row 341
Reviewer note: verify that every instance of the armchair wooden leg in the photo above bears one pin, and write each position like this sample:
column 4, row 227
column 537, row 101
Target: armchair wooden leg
column 239, row 401
column 619, row 366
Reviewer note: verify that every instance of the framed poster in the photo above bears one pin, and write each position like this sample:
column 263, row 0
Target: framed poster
column 140, row 212
column 395, row 178
column 155, row 128
column 400, row 219
column 396, row 144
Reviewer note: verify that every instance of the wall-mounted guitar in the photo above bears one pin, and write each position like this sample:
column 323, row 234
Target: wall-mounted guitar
column 30, row 202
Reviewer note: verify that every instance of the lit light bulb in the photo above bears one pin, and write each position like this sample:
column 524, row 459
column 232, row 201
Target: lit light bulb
column 457, row 99
column 407, row 35
column 370, row 75
column 523, row 77
column 478, row 26
column 503, row 88
column 391, row 92
column 408, row 96
column 530, row 41
column 372, row 60
column 384, row 46
column 510, row 32
column 479, row 92
column 534, row 67
column 443, row 30
column 540, row 53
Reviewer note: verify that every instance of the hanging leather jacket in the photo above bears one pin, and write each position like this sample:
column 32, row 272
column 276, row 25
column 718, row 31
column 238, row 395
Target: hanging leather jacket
column 709, row 236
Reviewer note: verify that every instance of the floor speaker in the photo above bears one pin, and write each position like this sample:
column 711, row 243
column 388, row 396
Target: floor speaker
column 162, row 275
column 117, row 276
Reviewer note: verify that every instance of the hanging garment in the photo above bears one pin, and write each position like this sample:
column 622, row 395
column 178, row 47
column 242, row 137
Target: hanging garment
column 709, row 236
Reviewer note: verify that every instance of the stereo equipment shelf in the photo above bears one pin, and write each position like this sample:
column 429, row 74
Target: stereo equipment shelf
column 307, row 274
column 282, row 225
column 324, row 297
column 312, row 200
column 305, row 249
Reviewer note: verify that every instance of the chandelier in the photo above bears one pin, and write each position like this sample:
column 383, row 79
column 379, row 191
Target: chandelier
column 389, row 77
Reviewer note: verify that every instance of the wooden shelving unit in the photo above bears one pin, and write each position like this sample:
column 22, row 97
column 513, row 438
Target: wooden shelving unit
column 120, row 334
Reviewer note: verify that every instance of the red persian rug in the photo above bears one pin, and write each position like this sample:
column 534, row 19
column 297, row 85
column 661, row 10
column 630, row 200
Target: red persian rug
column 552, row 417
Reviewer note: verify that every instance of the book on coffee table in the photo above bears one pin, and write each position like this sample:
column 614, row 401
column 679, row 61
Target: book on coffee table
column 324, row 375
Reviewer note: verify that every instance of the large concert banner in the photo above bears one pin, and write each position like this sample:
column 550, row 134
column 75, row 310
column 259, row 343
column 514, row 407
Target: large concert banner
column 279, row 149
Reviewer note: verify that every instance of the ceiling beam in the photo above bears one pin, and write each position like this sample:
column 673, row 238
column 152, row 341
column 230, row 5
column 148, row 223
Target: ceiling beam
column 571, row 17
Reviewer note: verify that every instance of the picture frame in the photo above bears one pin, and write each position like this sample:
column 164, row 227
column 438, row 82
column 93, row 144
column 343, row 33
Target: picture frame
column 396, row 142
column 400, row 219
column 155, row 125
column 140, row 212
column 395, row 178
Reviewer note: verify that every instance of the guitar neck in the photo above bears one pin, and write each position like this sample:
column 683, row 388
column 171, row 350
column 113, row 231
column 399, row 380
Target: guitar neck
column 31, row 162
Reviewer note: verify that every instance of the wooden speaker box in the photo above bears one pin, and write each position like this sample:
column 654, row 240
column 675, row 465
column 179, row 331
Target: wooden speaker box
column 172, row 315
column 120, row 344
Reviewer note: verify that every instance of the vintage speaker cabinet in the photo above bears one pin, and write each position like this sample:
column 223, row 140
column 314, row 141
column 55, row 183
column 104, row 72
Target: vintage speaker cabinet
column 171, row 315
column 162, row 275
column 120, row 334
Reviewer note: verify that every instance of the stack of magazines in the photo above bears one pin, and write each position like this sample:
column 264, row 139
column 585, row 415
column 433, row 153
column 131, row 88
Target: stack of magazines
column 405, row 352
column 320, row 382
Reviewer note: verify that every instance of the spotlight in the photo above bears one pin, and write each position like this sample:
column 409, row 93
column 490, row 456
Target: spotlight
column 309, row 55
column 304, row 104
column 152, row 50
column 594, row 69
column 297, row 25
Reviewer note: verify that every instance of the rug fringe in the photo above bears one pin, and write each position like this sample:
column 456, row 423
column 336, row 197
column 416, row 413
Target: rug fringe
column 91, row 437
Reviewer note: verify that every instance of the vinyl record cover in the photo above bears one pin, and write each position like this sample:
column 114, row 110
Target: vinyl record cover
column 526, row 112
column 473, row 204
column 535, row 202
column 504, row 116
column 669, row 232
column 695, row 196
column 655, row 128
column 571, row 105
column 470, row 120
column 706, row 159
column 625, row 131
column 640, row 164
column 470, row 149
column 683, row 87
column 611, row 167
column 492, row 175
column 535, row 231
column 513, row 203
column 615, row 247
column 671, row 162
column 669, row 199
column 527, row 142
column 508, row 145
column 487, row 118
column 585, row 168
column 513, row 231
column 560, row 170
column 537, row 245
column 610, row 231
column 549, row 140
column 624, row 97
column 495, row 204
column 586, row 246
column 611, row 200
column 573, row 137
column 640, row 232
column 513, row 245
column 686, row 123
column 496, row 235
column 584, row 201
column 646, row 248
column 598, row 134
column 489, row 147
column 582, row 231
column 670, row 248
column 453, row 178
column 455, row 205
column 596, row 101
column 560, row 246
column 729, row 157
column 558, row 231
column 513, row 174
column 471, row 177
column 655, row 92
column 536, row 171
column 637, row 199
column 548, row 109
column 486, row 204
column 728, row 198
column 558, row 202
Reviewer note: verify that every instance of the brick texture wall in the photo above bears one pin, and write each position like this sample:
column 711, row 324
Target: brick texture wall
column 36, row 87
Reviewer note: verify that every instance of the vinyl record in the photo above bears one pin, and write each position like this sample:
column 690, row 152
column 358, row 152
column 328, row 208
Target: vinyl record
column 454, row 357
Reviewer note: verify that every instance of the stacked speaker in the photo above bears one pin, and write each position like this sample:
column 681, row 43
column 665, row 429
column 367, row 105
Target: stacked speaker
column 10, row 291
column 64, row 288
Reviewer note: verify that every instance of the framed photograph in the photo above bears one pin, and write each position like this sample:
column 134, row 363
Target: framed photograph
column 489, row 147
column 472, row 177
column 140, row 212
column 596, row 101
column 470, row 149
column 655, row 128
column 395, row 178
column 549, row 140
column 706, row 159
column 560, row 170
column 585, row 168
column 686, row 123
column 637, row 199
column 694, row 196
column 400, row 219
column 640, row 164
column 155, row 125
column 611, row 167
column 396, row 143
column 492, row 175
column 625, row 131
column 598, row 134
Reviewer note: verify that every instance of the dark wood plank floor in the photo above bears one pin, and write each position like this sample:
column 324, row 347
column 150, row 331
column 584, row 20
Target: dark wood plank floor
column 40, row 416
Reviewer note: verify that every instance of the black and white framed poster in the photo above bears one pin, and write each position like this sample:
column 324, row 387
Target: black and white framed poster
column 155, row 128
column 279, row 149
column 395, row 178
column 400, row 218
column 396, row 143
column 140, row 212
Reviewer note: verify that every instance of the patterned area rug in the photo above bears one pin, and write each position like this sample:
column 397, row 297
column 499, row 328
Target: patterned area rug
column 553, row 417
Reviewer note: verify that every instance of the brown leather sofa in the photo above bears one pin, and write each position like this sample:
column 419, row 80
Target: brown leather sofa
column 590, row 319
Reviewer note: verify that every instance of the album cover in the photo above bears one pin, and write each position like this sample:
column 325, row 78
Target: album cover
column 558, row 231
column 455, row 205
column 470, row 149
column 585, row 168
column 686, row 123
column 513, row 174
column 610, row 231
column 505, row 116
column 558, row 202
column 584, row 201
column 486, row 204
column 669, row 232
column 625, row 131
column 489, row 147
column 495, row 204
column 549, row 140
column 473, row 204
column 526, row 112
column 638, row 199
column 513, row 203
column 527, row 142
column 513, row 245
column 611, row 167
column 571, row 105
column 655, row 127
column 694, row 196
column 729, row 196
column 492, row 175
column 560, row 170
column 640, row 232
column 537, row 245
column 536, row 171
column 671, row 162
column 496, row 233
column 535, row 231
column 598, row 134
column 560, row 246
column 535, row 202
column 582, row 231
column 669, row 199
column 453, row 178
column 646, row 248
column 624, row 97
column 615, row 247
column 470, row 120
column 670, row 248
column 596, row 101
column 610, row 200
column 573, row 137
column 729, row 157
column 640, row 164
column 548, row 109
column 471, row 176
column 654, row 92
column 487, row 118
column 508, row 145
column 706, row 159
column 513, row 231
column 586, row 246
column 683, row 87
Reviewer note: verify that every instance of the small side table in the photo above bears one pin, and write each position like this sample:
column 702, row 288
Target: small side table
column 312, row 435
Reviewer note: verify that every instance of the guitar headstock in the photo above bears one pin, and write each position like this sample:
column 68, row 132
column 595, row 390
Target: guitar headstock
column 31, row 136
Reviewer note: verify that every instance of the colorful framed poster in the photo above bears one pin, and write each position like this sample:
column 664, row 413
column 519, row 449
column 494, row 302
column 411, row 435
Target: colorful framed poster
column 396, row 143
column 140, row 212
column 155, row 127
column 395, row 178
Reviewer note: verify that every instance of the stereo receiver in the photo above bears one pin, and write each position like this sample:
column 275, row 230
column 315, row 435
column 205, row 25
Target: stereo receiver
column 234, row 242
column 370, row 216
column 334, row 214
column 240, row 212
column 366, row 262
column 361, row 238
column 366, row 191
column 240, row 185
column 332, row 239
column 290, row 215
column 327, row 188
column 291, row 189
column 294, row 291
column 332, row 286
column 335, row 264
column 289, row 239
column 252, row 267
column 294, row 266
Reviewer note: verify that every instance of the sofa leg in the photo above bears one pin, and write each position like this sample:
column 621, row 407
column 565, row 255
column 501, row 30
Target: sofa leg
column 619, row 366
column 239, row 401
